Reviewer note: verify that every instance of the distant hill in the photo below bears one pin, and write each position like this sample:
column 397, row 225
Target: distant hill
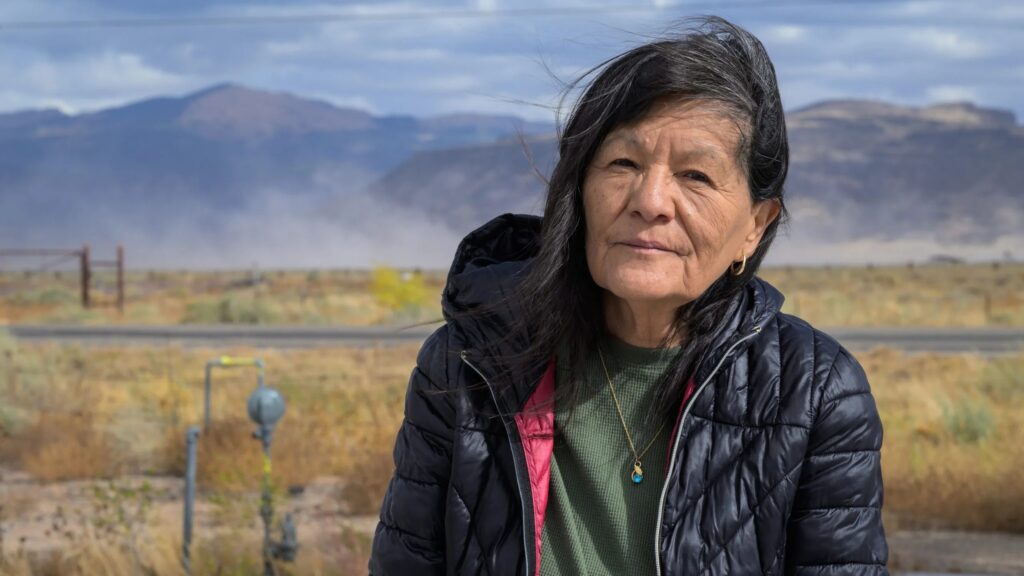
column 462, row 186
column 162, row 166
column 231, row 175
column 874, row 169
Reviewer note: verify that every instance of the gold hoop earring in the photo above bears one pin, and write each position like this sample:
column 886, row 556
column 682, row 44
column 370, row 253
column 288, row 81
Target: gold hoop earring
column 743, row 266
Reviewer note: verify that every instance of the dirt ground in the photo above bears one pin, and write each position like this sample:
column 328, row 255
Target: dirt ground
column 957, row 552
column 38, row 517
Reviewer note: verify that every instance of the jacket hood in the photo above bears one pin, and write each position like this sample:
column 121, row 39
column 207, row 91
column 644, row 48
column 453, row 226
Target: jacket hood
column 489, row 261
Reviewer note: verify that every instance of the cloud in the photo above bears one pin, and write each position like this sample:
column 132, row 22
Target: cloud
column 912, row 52
column 947, row 93
column 409, row 55
column 539, row 109
column 449, row 83
column 948, row 43
column 87, row 82
column 105, row 71
column 838, row 69
column 286, row 48
column 21, row 10
column 785, row 33
column 285, row 10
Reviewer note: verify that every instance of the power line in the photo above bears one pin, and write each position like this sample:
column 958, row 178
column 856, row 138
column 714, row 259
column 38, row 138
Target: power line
column 190, row 21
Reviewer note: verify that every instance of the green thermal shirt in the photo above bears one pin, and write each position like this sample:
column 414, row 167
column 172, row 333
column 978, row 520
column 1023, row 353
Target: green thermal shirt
column 598, row 521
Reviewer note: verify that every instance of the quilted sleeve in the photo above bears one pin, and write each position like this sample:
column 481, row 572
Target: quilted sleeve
column 836, row 523
column 409, row 538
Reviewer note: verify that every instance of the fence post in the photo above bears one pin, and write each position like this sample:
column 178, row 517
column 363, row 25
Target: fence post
column 85, row 275
column 206, row 393
column 120, row 279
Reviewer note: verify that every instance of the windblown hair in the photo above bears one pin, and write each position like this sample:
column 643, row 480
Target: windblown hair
column 560, row 306
column 713, row 61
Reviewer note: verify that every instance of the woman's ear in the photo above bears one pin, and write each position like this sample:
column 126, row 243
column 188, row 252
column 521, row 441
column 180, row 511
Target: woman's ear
column 764, row 213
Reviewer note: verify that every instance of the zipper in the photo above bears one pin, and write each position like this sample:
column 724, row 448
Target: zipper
column 519, row 464
column 675, row 446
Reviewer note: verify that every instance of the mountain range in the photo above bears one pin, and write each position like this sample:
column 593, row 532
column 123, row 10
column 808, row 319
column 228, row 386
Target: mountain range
column 231, row 176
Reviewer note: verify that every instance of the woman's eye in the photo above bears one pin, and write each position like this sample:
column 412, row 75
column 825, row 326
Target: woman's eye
column 624, row 162
column 698, row 176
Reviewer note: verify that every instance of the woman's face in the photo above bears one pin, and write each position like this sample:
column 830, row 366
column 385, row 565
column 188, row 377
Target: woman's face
column 667, row 205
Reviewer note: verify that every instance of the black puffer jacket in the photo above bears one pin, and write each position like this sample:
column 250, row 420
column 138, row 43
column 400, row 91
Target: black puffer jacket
column 775, row 467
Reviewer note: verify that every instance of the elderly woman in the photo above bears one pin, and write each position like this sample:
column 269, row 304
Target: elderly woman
column 615, row 391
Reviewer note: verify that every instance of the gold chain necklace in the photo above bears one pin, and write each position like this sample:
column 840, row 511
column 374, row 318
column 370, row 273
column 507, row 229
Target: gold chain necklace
column 637, row 475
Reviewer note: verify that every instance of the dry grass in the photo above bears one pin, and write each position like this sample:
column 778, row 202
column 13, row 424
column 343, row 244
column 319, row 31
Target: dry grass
column 64, row 446
column 933, row 295
column 924, row 295
column 954, row 424
column 351, row 297
column 157, row 552
column 73, row 413
column 954, row 438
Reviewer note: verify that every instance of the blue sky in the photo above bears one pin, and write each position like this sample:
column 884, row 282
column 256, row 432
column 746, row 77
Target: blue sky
column 911, row 52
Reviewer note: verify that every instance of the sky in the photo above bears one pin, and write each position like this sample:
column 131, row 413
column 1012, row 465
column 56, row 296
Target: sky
column 490, row 56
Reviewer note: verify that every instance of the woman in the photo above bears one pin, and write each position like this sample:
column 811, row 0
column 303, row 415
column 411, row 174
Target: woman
column 615, row 391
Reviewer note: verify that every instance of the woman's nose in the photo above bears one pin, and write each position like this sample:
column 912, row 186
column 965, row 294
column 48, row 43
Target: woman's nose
column 651, row 196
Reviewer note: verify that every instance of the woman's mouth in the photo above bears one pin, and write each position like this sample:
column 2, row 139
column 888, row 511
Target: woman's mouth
column 646, row 246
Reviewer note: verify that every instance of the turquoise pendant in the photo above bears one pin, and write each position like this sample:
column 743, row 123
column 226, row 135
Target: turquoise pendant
column 638, row 473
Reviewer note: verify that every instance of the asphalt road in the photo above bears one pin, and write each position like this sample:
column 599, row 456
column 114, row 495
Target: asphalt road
column 987, row 341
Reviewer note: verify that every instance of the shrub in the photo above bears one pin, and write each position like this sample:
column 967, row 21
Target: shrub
column 968, row 421
column 1002, row 379
column 230, row 310
column 47, row 296
column 8, row 347
column 395, row 292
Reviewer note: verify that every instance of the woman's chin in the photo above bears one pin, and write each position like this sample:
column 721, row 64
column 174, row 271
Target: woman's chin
column 646, row 289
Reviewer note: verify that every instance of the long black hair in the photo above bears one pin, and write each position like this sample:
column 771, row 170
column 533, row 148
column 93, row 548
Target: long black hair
column 713, row 61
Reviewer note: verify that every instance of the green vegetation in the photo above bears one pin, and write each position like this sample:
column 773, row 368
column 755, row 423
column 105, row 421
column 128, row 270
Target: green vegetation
column 969, row 421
